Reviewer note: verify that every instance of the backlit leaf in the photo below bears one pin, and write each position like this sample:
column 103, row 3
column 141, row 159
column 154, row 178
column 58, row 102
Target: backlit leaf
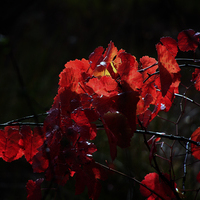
column 33, row 189
column 167, row 67
column 194, row 148
column 32, row 140
column 155, row 183
column 9, row 143
column 170, row 44
column 188, row 40
column 196, row 78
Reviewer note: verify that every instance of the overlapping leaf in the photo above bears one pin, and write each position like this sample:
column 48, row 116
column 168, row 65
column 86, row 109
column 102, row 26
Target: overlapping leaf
column 110, row 87
column 170, row 44
column 196, row 78
column 153, row 181
column 167, row 67
column 33, row 189
column 194, row 148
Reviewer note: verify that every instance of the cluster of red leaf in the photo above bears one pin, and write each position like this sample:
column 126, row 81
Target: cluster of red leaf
column 111, row 87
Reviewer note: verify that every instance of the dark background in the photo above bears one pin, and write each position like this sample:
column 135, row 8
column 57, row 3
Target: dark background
column 38, row 37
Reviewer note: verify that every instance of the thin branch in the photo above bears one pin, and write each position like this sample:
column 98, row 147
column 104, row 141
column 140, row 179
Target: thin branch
column 142, row 70
column 185, row 165
column 150, row 75
column 191, row 100
column 170, row 137
column 129, row 177
column 21, row 124
column 188, row 59
column 25, row 118
column 189, row 65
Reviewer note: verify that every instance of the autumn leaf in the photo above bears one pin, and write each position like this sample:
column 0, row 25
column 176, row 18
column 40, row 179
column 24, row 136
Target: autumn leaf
column 74, row 73
column 31, row 141
column 146, row 62
column 83, row 119
column 194, row 148
column 104, row 86
column 167, row 67
column 39, row 162
column 101, row 63
column 148, row 95
column 155, row 183
column 96, row 57
column 118, row 124
column 128, row 71
column 196, row 78
column 9, row 143
column 188, row 40
column 145, row 118
column 89, row 176
column 33, row 189
column 170, row 44
column 118, row 131
column 198, row 177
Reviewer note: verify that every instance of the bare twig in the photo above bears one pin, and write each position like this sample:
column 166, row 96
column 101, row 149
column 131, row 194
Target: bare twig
column 185, row 165
column 170, row 137
column 142, row 70
column 191, row 100
column 129, row 177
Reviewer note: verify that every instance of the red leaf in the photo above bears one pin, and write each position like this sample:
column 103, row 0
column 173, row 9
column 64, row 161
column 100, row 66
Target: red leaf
column 170, row 44
column 167, row 67
column 31, row 141
column 188, row 40
column 194, row 148
column 104, row 86
column 83, row 119
column 124, row 103
column 118, row 131
column 145, row 62
column 153, row 181
column 145, row 118
column 110, row 52
column 127, row 70
column 148, row 96
column 198, row 177
column 89, row 177
column 196, row 78
column 112, row 140
column 104, row 61
column 118, row 125
column 39, row 162
column 73, row 74
column 96, row 57
column 33, row 189
column 9, row 143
